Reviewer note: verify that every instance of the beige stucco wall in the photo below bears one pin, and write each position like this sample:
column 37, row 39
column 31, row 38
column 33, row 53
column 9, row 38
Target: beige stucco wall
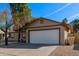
column 65, row 35
column 45, row 23
column 62, row 41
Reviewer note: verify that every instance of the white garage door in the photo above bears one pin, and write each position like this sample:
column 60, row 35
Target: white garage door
column 44, row 37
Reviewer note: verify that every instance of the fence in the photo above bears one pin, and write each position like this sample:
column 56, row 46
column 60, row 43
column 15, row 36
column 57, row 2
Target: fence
column 70, row 39
column 77, row 38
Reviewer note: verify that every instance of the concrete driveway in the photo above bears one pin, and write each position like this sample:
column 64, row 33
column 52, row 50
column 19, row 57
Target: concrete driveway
column 71, row 50
column 26, row 50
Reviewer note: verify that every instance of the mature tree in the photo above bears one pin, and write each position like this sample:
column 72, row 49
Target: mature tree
column 21, row 15
column 4, row 17
column 75, row 24
column 65, row 21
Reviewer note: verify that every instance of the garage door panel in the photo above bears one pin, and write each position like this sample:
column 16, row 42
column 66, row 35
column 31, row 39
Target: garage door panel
column 44, row 37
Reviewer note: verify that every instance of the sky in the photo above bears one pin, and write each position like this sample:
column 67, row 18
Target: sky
column 53, row 11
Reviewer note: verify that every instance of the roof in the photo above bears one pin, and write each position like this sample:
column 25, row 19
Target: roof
column 1, row 32
column 11, row 31
column 67, row 26
column 48, row 19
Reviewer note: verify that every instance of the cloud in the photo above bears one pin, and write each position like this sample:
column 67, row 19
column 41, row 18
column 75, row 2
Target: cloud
column 58, row 10
column 75, row 15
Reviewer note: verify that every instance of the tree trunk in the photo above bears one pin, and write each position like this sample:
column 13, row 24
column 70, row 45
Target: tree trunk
column 18, row 36
column 6, row 39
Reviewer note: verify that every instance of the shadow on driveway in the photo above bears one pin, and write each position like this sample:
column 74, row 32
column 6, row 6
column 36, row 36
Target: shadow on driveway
column 76, row 47
column 24, row 46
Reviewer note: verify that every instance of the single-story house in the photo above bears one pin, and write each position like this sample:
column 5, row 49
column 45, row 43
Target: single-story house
column 1, row 34
column 11, row 33
column 46, row 31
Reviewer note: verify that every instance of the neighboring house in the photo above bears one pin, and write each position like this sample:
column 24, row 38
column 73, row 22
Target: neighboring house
column 12, row 35
column 46, row 31
column 1, row 35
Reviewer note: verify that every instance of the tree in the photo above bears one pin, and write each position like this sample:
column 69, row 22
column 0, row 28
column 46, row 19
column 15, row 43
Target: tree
column 21, row 15
column 75, row 24
column 65, row 21
column 4, row 17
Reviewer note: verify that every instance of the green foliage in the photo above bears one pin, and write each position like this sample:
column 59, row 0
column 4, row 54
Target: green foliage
column 75, row 24
column 0, row 26
column 20, row 8
column 21, row 13
column 33, row 18
column 65, row 21
column 4, row 17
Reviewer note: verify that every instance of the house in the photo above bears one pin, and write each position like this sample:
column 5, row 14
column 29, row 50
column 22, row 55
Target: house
column 1, row 35
column 12, row 35
column 46, row 31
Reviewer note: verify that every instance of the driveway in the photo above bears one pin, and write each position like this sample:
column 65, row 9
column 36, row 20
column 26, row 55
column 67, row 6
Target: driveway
column 66, row 51
column 26, row 50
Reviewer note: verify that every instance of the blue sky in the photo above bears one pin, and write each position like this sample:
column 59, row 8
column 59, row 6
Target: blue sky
column 53, row 11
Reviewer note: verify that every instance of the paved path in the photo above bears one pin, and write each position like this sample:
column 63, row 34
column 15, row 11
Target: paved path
column 26, row 50
column 66, row 51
